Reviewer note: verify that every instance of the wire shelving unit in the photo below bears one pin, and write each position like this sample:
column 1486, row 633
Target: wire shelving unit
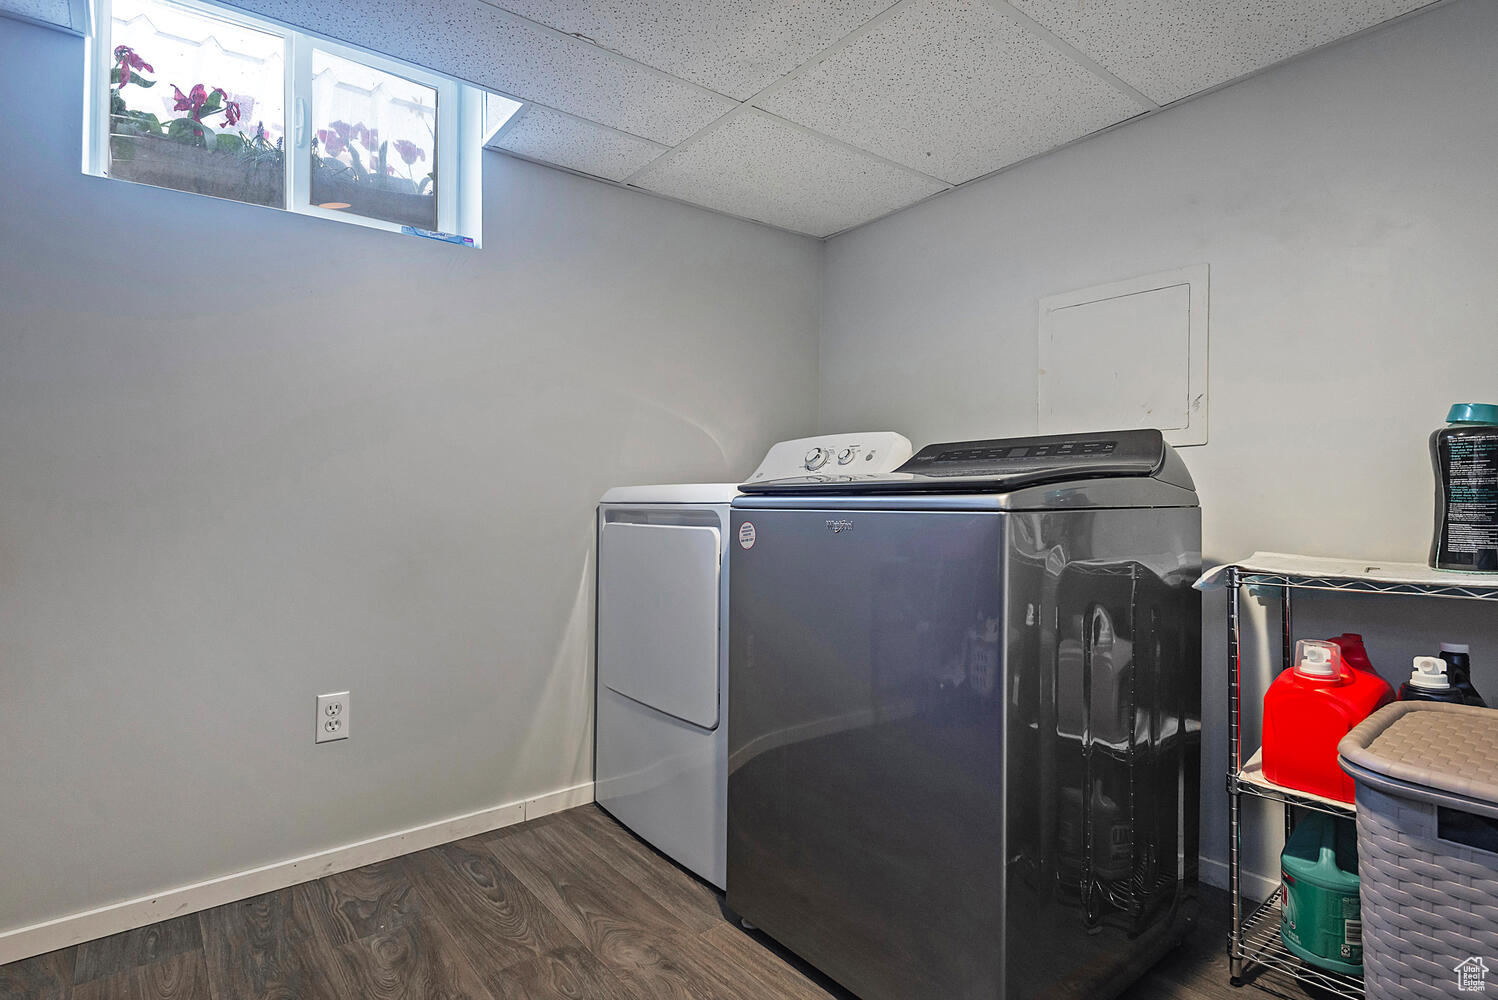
column 1256, row 955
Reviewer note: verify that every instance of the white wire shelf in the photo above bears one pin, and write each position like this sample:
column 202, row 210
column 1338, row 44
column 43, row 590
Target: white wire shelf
column 1487, row 592
column 1360, row 576
column 1251, row 781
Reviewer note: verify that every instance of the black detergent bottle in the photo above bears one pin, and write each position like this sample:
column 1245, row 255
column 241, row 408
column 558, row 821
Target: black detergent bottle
column 1458, row 657
column 1465, row 456
column 1428, row 682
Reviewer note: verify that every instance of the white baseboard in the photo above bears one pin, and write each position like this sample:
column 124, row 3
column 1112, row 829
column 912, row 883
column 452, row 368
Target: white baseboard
column 38, row 939
column 555, row 802
column 1251, row 884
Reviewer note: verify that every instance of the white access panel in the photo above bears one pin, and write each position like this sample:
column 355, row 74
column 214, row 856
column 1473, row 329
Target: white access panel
column 658, row 617
column 1126, row 355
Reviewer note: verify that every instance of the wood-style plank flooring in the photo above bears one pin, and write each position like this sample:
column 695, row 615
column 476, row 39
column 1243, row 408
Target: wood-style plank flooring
column 570, row 906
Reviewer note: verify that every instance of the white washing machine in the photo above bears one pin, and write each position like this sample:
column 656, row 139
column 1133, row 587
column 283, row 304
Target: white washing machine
column 661, row 754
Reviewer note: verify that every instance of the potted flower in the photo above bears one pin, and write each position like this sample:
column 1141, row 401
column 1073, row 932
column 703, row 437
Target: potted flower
column 368, row 183
column 190, row 153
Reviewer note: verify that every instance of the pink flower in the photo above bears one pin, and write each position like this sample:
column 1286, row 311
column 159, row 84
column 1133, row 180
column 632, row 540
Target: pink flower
column 231, row 113
column 192, row 101
column 126, row 57
column 332, row 142
column 368, row 137
column 125, row 53
column 409, row 151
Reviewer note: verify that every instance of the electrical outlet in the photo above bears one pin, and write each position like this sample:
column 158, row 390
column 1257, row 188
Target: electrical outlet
column 332, row 717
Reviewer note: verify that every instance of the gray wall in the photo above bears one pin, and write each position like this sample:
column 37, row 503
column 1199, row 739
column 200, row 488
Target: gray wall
column 1347, row 206
column 247, row 457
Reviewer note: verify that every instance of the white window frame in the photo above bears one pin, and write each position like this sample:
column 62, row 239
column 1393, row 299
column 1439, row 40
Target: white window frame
column 299, row 131
column 460, row 119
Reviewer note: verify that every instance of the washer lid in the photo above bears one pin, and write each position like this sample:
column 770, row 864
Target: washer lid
column 1002, row 465
column 658, row 611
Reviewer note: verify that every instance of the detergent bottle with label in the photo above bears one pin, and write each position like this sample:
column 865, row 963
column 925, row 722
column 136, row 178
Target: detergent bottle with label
column 1307, row 711
column 1428, row 682
column 1465, row 456
column 1321, row 917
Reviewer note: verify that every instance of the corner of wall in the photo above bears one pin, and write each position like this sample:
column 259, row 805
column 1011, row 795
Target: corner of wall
column 820, row 418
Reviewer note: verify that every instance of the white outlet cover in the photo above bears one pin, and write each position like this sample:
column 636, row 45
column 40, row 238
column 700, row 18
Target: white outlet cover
column 332, row 717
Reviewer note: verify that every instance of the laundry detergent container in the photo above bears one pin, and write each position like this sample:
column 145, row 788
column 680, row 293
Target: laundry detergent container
column 1307, row 711
column 1427, row 804
column 1319, row 919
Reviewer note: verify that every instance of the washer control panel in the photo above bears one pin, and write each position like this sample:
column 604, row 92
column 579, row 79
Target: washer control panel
column 1136, row 452
column 991, row 466
column 870, row 453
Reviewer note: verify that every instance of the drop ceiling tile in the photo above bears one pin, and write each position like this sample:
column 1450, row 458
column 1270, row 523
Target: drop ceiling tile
column 1170, row 49
column 736, row 47
column 952, row 88
column 473, row 41
column 58, row 12
column 761, row 168
column 546, row 135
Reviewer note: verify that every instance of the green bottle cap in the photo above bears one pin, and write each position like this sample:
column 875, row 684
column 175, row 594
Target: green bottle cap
column 1472, row 413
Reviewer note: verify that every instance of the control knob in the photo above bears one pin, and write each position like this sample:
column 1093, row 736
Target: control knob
column 816, row 458
column 846, row 455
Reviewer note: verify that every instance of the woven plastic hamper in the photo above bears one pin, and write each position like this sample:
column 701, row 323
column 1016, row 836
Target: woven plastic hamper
column 1427, row 799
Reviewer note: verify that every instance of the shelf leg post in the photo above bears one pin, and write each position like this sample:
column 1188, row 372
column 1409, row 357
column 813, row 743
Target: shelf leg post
column 1287, row 634
column 1235, row 763
column 1287, row 658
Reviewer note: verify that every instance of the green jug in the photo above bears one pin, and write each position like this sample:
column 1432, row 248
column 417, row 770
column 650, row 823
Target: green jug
column 1321, row 920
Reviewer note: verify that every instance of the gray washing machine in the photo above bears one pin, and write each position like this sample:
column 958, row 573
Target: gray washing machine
column 964, row 717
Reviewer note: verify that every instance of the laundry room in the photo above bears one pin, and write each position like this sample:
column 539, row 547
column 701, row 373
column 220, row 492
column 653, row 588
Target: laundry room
column 874, row 499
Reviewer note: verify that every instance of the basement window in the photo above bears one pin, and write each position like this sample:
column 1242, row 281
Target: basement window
column 193, row 97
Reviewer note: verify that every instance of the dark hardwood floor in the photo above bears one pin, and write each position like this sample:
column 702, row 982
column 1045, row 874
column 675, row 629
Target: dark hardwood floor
column 570, row 906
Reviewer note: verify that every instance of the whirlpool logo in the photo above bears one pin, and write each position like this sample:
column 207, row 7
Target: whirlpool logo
column 838, row 527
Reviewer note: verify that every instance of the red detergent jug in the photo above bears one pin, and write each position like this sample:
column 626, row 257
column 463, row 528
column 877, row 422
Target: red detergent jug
column 1309, row 708
column 1354, row 653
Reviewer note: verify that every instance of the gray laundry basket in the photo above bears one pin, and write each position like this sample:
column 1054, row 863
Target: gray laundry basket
column 1427, row 798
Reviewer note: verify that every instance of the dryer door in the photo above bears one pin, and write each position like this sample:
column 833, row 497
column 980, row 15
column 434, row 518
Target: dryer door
column 658, row 617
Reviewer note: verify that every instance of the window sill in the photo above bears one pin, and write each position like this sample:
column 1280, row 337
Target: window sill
column 430, row 236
